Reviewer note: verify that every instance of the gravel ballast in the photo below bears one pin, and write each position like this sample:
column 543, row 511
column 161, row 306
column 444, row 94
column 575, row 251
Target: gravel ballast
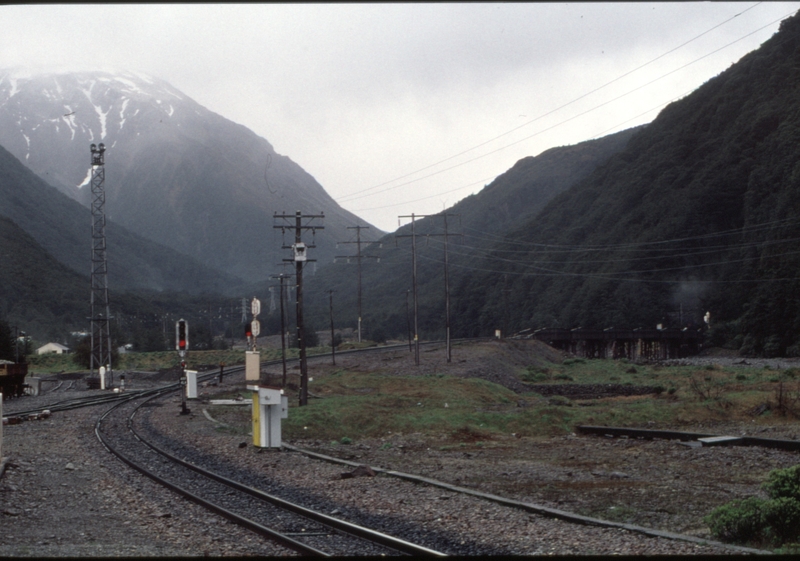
column 63, row 495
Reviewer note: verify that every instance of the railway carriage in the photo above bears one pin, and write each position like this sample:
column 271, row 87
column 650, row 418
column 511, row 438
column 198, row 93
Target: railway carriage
column 12, row 378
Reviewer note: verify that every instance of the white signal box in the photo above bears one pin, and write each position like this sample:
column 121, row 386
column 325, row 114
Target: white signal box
column 299, row 251
column 269, row 407
column 252, row 366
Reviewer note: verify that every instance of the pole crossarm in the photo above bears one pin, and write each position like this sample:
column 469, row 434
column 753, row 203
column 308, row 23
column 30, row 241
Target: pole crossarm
column 298, row 222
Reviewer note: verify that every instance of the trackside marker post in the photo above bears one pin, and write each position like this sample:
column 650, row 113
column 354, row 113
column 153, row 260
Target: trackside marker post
column 191, row 384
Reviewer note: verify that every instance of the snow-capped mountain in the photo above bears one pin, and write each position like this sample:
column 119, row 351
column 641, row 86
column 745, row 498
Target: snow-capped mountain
column 52, row 119
column 176, row 172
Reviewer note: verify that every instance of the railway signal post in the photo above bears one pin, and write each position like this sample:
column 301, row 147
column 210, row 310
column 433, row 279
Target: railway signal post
column 252, row 362
column 182, row 345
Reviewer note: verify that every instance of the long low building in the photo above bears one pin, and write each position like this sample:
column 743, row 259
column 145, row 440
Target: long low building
column 52, row 348
column 634, row 344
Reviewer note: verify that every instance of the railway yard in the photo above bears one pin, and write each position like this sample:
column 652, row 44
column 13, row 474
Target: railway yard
column 62, row 494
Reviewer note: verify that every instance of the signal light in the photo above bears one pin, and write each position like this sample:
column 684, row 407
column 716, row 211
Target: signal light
column 181, row 335
column 248, row 330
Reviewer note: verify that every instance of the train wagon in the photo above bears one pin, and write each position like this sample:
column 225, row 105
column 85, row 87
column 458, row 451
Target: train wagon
column 12, row 378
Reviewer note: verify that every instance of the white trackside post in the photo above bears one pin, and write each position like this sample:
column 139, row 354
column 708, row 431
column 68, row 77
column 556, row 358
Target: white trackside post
column 191, row 384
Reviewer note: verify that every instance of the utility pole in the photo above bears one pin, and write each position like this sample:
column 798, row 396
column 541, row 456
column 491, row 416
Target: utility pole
column 446, row 292
column 100, row 314
column 358, row 257
column 299, row 250
column 408, row 322
column 333, row 346
column 505, row 306
column 414, row 283
column 446, row 235
column 283, row 328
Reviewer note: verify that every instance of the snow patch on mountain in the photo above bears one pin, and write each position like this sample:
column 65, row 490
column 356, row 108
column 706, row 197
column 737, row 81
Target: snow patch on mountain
column 86, row 179
column 102, row 116
column 14, row 88
column 122, row 112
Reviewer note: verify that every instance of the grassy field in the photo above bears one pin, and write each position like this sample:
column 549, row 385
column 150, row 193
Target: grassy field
column 357, row 405
column 352, row 405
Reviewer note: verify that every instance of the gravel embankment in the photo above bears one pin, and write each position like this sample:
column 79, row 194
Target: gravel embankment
column 63, row 495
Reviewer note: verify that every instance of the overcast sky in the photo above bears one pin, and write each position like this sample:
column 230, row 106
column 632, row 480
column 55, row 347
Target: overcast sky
column 401, row 108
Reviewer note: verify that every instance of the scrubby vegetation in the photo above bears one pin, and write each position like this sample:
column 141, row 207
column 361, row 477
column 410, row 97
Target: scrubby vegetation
column 772, row 522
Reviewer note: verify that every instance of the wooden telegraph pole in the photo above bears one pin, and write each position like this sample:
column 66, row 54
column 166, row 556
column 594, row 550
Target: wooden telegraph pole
column 299, row 249
column 413, row 237
column 358, row 256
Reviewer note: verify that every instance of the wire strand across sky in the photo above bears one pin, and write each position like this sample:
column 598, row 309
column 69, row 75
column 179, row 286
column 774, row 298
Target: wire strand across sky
column 385, row 187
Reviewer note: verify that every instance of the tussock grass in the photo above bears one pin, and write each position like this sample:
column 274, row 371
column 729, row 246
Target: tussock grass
column 457, row 411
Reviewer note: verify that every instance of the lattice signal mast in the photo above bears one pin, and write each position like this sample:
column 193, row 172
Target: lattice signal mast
column 101, row 330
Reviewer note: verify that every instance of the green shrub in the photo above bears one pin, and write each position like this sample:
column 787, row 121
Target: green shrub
column 346, row 440
column 754, row 520
column 560, row 400
column 739, row 521
column 782, row 517
column 568, row 361
column 784, row 483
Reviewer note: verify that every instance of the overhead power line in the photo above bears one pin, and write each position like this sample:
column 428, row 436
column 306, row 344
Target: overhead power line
column 366, row 192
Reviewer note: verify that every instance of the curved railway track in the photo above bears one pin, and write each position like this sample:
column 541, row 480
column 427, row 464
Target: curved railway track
column 294, row 526
column 125, row 431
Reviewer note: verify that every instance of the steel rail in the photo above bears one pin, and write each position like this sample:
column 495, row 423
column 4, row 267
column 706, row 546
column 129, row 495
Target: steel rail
column 329, row 521
column 251, row 525
column 210, row 374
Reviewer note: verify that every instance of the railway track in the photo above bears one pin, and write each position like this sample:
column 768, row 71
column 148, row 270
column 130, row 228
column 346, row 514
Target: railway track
column 125, row 432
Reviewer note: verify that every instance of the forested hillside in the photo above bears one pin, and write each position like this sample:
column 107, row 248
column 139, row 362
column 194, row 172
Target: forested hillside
column 699, row 213
column 63, row 227
column 36, row 291
column 473, row 226
column 48, row 300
